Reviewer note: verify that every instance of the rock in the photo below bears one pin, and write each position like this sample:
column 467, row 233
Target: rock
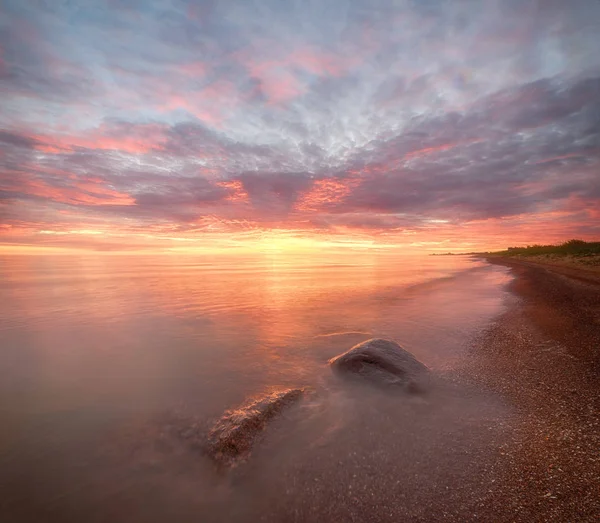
column 233, row 436
column 382, row 362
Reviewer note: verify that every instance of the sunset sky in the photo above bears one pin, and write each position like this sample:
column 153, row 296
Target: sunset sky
column 182, row 125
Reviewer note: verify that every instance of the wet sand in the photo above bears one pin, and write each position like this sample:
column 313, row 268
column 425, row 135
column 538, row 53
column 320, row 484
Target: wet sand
column 543, row 355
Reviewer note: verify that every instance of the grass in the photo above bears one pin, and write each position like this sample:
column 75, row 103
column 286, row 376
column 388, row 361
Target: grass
column 574, row 253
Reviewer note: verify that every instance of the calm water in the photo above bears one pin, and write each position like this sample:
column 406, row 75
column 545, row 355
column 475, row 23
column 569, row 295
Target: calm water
column 96, row 350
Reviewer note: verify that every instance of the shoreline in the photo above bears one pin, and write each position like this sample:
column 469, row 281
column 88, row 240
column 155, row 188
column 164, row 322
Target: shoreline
column 562, row 301
column 568, row 266
column 543, row 356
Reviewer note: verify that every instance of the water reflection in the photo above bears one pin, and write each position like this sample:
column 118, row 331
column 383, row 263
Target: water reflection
column 91, row 343
column 132, row 318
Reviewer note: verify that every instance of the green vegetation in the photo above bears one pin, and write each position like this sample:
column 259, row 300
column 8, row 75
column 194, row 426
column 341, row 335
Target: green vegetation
column 570, row 248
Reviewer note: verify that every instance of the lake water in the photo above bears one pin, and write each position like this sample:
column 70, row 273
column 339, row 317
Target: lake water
column 96, row 351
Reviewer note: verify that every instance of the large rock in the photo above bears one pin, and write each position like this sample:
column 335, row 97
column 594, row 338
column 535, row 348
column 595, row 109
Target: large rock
column 382, row 362
column 233, row 436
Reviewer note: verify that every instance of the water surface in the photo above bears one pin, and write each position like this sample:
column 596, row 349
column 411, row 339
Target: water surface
column 96, row 348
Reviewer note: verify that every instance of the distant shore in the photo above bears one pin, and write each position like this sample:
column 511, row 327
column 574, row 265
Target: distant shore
column 543, row 355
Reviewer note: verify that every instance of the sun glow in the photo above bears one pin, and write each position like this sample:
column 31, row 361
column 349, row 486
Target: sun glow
column 212, row 236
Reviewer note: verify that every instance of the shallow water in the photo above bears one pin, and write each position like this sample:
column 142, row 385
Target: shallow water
column 96, row 349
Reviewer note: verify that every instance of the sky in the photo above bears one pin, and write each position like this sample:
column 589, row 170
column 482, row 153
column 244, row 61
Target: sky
column 216, row 125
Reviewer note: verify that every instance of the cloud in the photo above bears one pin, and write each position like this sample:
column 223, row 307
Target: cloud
column 8, row 138
column 390, row 117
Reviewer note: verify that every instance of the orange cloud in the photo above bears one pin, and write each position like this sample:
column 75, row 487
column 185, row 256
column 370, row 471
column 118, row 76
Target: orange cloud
column 326, row 191
column 237, row 192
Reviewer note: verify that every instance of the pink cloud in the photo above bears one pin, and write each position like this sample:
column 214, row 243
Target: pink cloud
column 279, row 76
column 210, row 104
column 561, row 157
column 77, row 193
column 194, row 69
column 132, row 139
column 3, row 66
column 429, row 150
column 589, row 207
column 281, row 86
column 322, row 64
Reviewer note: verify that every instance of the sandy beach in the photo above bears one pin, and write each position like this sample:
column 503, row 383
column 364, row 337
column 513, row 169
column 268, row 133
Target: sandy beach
column 543, row 354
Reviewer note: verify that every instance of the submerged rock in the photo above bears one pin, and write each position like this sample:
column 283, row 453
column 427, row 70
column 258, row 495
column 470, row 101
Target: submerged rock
column 382, row 362
column 233, row 436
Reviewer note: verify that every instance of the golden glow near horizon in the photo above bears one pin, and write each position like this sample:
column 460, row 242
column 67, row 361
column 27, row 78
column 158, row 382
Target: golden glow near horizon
column 267, row 242
column 213, row 236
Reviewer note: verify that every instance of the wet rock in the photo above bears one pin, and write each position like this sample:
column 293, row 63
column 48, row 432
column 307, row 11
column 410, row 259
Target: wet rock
column 233, row 436
column 382, row 362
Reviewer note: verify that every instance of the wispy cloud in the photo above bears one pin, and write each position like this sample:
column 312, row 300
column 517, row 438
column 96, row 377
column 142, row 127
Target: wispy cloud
column 384, row 120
